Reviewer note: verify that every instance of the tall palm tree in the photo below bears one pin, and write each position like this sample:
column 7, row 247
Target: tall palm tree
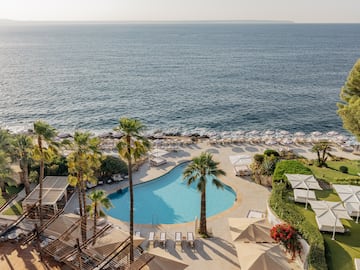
column 22, row 147
column 200, row 170
column 43, row 152
column 5, row 171
column 131, row 147
column 98, row 200
column 82, row 163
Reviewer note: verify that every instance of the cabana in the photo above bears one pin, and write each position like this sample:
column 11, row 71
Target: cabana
column 241, row 164
column 54, row 190
column 303, row 181
column 350, row 196
column 328, row 215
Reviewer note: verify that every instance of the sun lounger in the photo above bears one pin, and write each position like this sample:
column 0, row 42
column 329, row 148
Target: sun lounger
column 178, row 239
column 151, row 238
column 357, row 263
column 163, row 239
column 190, row 240
column 157, row 161
column 137, row 234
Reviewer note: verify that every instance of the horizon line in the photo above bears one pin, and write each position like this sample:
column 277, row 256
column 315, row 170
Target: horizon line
column 170, row 21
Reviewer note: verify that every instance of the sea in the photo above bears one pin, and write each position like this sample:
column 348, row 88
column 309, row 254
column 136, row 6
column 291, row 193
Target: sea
column 175, row 77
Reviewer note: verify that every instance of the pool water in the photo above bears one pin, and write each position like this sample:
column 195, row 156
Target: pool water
column 169, row 200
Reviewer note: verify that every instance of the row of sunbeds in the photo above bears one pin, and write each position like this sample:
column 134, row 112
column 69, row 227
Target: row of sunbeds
column 178, row 237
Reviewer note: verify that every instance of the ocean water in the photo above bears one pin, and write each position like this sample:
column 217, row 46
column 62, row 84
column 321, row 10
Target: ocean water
column 176, row 77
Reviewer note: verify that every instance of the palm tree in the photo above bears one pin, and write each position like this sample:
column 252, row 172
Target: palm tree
column 200, row 170
column 322, row 150
column 43, row 152
column 82, row 163
column 98, row 200
column 22, row 146
column 131, row 147
column 5, row 171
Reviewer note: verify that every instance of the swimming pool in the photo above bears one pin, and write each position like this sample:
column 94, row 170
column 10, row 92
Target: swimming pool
column 168, row 200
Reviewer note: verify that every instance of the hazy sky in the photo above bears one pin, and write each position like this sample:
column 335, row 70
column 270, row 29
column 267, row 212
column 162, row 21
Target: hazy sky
column 345, row 11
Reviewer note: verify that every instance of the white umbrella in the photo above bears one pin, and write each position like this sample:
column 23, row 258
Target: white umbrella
column 350, row 196
column 303, row 181
column 157, row 152
column 332, row 133
column 299, row 134
column 328, row 214
column 284, row 132
column 253, row 132
column 239, row 160
column 269, row 132
column 316, row 133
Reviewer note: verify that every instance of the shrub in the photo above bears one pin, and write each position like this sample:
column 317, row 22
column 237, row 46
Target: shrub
column 271, row 152
column 287, row 211
column 289, row 166
column 343, row 169
column 259, row 158
column 288, row 237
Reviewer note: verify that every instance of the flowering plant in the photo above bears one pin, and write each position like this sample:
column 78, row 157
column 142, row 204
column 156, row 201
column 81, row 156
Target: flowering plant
column 288, row 237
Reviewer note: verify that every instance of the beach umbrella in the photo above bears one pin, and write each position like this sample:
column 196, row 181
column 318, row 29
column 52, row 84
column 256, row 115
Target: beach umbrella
column 250, row 230
column 303, row 181
column 328, row 215
column 284, row 132
column 162, row 260
column 316, row 134
column 332, row 133
column 256, row 256
column 299, row 134
column 350, row 196
column 269, row 132
column 253, row 132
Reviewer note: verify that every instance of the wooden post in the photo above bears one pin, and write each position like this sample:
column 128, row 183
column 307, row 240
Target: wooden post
column 38, row 242
column 79, row 253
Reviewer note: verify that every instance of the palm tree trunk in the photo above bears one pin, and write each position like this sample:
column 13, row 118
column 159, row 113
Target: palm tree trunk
column 40, row 191
column 81, row 208
column 26, row 176
column 95, row 217
column 84, row 217
column 131, row 201
column 203, row 228
column 41, row 177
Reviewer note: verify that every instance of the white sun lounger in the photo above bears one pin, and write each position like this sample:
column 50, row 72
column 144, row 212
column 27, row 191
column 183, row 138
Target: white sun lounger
column 190, row 239
column 178, row 239
column 157, row 161
column 151, row 238
column 163, row 239
column 137, row 234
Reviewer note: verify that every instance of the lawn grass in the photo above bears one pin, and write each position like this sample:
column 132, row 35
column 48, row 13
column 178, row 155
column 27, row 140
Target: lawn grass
column 340, row 253
column 332, row 175
column 352, row 165
column 11, row 190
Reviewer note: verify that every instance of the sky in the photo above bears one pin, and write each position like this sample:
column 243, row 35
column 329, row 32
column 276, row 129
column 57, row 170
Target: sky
column 300, row 11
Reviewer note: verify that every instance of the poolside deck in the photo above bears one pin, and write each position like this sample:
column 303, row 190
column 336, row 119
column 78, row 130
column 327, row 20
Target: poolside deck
column 216, row 252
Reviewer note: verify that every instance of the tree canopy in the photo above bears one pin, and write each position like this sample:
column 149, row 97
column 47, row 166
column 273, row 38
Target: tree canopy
column 349, row 108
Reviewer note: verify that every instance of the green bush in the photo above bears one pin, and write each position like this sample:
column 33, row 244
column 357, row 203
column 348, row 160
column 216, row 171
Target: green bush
column 289, row 166
column 287, row 211
column 343, row 169
column 259, row 158
column 271, row 152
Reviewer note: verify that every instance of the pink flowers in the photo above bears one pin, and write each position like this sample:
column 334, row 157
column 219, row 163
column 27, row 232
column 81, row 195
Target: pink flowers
column 286, row 235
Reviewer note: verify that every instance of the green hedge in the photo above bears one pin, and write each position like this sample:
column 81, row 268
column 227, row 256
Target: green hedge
column 289, row 166
column 286, row 210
